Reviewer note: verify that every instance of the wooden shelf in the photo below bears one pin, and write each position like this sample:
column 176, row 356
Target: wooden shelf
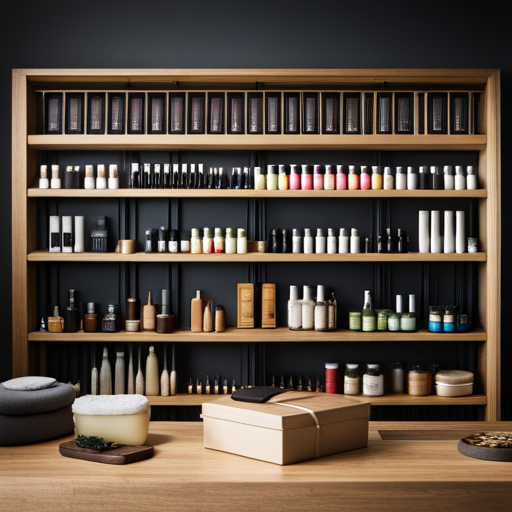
column 251, row 257
column 391, row 399
column 262, row 194
column 234, row 335
column 256, row 142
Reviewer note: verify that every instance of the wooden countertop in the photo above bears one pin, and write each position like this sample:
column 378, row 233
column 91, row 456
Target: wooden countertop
column 407, row 466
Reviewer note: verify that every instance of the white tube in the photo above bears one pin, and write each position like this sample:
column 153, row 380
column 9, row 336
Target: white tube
column 79, row 233
column 423, row 232
column 460, row 233
column 435, row 231
column 449, row 237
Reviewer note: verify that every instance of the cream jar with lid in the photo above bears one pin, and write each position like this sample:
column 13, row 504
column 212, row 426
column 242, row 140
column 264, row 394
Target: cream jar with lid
column 452, row 383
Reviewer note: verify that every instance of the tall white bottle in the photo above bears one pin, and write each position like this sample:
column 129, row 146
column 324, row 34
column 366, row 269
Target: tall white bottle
column 164, row 378
column 139, row 380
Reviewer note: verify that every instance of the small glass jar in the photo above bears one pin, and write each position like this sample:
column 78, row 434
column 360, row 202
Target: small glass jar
column 110, row 320
column 419, row 381
column 382, row 319
column 352, row 380
column 260, row 179
column 397, row 378
column 450, row 318
column 463, row 322
column 435, row 318
column 394, row 322
column 354, row 320
column 373, row 381
column 472, row 244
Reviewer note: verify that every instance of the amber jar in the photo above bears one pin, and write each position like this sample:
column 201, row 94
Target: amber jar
column 132, row 309
column 90, row 319
column 419, row 381
column 55, row 322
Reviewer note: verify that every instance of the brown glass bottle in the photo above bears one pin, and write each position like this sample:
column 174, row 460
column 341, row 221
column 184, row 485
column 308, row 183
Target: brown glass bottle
column 55, row 322
column 90, row 319
column 164, row 321
column 72, row 318
column 132, row 309
column 148, row 315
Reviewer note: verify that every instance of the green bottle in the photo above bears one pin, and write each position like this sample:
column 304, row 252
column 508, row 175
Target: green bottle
column 368, row 314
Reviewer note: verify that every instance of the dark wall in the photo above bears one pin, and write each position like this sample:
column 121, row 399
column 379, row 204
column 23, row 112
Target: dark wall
column 234, row 34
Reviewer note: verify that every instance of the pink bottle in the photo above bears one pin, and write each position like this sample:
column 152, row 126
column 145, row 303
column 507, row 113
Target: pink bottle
column 366, row 181
column 306, row 178
column 319, row 178
column 294, row 177
column 341, row 178
column 353, row 178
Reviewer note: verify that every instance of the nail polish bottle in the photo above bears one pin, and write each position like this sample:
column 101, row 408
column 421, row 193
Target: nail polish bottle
column 113, row 177
column 341, row 178
column 412, row 179
column 306, row 179
column 294, row 310
column 241, row 243
column 471, row 179
column 365, row 178
column 233, row 386
column 320, row 241
column 260, row 179
column 343, row 241
column 199, row 387
column 294, row 177
column 435, row 174
column 69, row 177
column 55, row 181
column 449, row 182
column 55, row 322
column 321, row 310
column 110, row 321
column 319, row 177
column 148, row 316
column 230, row 242
column 173, row 241
column 164, row 320
column 376, row 177
column 162, row 239
column 424, row 178
column 355, row 247
column 331, row 241
column 283, row 178
column 218, row 241
column 101, row 181
column 296, row 242
column 190, row 387
column 353, row 178
column 208, row 245
column 389, row 181
column 225, row 387
column 272, row 180
column 207, row 385
column 460, row 179
column 67, row 234
column 72, row 319
column 308, row 242
column 308, row 309
column 329, row 178
column 401, row 179
column 196, row 243
column 43, row 177
column 90, row 319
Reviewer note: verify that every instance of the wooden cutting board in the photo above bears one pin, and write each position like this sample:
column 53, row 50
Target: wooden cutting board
column 124, row 454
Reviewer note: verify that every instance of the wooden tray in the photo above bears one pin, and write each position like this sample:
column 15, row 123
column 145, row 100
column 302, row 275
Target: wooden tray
column 124, row 454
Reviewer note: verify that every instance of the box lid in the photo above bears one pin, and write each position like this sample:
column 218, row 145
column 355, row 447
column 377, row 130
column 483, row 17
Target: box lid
column 278, row 413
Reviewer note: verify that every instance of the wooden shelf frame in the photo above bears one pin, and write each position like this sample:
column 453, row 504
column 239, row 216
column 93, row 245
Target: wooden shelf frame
column 279, row 335
column 27, row 355
column 182, row 399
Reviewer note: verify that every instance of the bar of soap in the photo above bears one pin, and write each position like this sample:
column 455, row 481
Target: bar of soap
column 122, row 419
column 29, row 383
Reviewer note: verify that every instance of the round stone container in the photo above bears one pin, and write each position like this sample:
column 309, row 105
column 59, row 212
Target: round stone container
column 452, row 383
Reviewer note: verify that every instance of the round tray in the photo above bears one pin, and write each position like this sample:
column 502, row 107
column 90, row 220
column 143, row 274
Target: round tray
column 497, row 454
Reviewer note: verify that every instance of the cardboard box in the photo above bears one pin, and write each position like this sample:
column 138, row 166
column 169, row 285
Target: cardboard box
column 284, row 430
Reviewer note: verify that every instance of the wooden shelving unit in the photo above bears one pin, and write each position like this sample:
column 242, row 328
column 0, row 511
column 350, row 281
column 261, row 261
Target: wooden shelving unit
column 279, row 335
column 29, row 344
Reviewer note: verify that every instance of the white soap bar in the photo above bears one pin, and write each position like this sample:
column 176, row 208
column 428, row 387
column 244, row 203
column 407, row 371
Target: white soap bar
column 122, row 419
column 29, row 383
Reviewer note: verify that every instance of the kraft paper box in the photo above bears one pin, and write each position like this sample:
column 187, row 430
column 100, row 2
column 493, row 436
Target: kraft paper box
column 290, row 427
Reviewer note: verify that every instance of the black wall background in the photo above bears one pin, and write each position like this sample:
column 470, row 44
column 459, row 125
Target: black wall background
column 236, row 34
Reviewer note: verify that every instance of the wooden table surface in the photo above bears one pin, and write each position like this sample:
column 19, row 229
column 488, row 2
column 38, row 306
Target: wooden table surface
column 407, row 466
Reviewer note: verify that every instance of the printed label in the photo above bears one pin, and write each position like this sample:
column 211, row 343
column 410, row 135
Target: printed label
column 369, row 323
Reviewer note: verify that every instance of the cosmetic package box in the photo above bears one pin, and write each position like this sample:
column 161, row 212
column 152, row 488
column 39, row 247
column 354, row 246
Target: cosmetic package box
column 284, row 429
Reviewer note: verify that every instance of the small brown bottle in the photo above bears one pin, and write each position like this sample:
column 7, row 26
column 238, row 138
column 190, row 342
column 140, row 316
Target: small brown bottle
column 208, row 317
column 90, row 319
column 220, row 319
column 55, row 322
column 196, row 313
column 148, row 315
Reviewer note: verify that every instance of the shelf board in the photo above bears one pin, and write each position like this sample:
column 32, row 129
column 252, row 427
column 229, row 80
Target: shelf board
column 183, row 399
column 281, row 334
column 251, row 257
column 263, row 194
column 257, row 142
